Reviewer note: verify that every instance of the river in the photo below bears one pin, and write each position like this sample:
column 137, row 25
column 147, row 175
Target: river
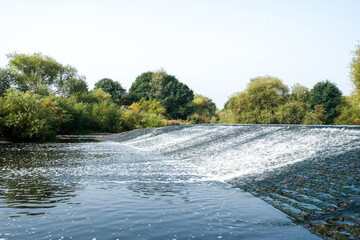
column 185, row 182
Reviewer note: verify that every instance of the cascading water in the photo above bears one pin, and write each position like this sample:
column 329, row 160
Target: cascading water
column 224, row 152
column 310, row 173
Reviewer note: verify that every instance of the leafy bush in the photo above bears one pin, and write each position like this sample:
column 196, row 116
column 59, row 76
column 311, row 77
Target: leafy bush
column 292, row 112
column 106, row 115
column 349, row 111
column 144, row 114
column 26, row 115
column 204, row 110
column 79, row 115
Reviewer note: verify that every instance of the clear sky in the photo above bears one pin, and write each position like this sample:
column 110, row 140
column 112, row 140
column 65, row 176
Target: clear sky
column 214, row 46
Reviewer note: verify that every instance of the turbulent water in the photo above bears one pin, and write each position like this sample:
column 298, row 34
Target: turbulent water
column 223, row 152
column 184, row 182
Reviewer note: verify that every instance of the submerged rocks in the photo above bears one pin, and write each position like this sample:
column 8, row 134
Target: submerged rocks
column 321, row 194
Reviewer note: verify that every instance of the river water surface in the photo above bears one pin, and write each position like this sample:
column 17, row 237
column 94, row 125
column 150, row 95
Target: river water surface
column 183, row 182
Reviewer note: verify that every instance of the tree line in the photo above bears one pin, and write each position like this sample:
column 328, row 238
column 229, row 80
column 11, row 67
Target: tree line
column 40, row 97
column 267, row 100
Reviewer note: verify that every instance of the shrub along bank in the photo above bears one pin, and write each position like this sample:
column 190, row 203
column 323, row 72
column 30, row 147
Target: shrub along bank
column 40, row 98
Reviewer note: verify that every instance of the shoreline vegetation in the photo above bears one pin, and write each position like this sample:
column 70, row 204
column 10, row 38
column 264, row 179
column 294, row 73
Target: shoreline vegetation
column 41, row 98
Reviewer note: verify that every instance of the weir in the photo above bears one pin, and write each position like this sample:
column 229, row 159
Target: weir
column 183, row 182
column 309, row 172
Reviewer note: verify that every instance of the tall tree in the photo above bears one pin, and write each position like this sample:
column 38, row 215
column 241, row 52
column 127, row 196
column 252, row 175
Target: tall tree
column 6, row 80
column 259, row 102
column 327, row 95
column 299, row 93
column 355, row 70
column 112, row 87
column 174, row 95
column 42, row 74
column 141, row 87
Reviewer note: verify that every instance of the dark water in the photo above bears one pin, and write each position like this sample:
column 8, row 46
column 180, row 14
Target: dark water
column 181, row 183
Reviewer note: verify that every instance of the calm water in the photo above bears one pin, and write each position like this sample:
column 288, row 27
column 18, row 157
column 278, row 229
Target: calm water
column 170, row 183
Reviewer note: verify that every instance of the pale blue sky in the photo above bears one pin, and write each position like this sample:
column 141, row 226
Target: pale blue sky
column 214, row 46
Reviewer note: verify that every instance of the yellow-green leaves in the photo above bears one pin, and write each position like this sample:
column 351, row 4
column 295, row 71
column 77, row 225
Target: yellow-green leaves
column 28, row 115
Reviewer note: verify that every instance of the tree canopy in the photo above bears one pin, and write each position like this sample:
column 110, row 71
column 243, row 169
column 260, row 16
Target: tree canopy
column 42, row 75
column 141, row 87
column 355, row 70
column 204, row 109
column 174, row 95
column 328, row 95
column 112, row 87
column 259, row 102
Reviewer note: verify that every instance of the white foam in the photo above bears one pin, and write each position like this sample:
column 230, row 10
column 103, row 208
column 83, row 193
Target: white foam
column 221, row 153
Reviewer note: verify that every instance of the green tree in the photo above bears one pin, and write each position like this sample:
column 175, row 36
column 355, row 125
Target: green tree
column 259, row 102
column 79, row 116
column 42, row 74
column 106, row 115
column 115, row 89
column 349, row 111
column 141, row 87
column 6, row 80
column 299, row 93
column 145, row 113
column 355, row 70
column 174, row 95
column 327, row 95
column 149, row 106
column 203, row 109
column 292, row 112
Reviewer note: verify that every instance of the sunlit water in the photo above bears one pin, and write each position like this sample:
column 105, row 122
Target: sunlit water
column 168, row 183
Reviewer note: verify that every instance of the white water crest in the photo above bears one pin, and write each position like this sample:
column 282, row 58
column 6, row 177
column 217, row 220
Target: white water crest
column 223, row 152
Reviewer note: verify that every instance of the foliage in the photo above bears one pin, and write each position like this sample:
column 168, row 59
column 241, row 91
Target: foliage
column 115, row 89
column 311, row 119
column 175, row 96
column 92, row 112
column 79, row 115
column 106, row 115
column 349, row 111
column 150, row 106
column 42, row 74
column 355, row 69
column 141, row 87
column 48, row 98
column 26, row 115
column 6, row 80
column 259, row 102
column 226, row 116
column 292, row 112
column 74, row 86
column 299, row 93
column 203, row 110
column 145, row 113
column 327, row 95
column 141, row 119
column 95, row 96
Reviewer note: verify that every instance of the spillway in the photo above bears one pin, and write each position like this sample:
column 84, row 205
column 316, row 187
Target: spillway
column 312, row 173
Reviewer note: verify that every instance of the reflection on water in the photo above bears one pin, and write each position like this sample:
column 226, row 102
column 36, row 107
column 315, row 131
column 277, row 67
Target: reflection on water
column 26, row 183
